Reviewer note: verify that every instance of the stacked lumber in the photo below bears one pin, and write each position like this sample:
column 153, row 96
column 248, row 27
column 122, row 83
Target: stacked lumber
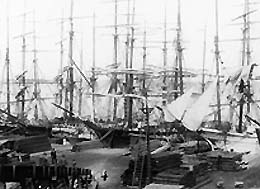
column 188, row 174
column 165, row 160
column 225, row 160
column 159, row 162
column 170, row 176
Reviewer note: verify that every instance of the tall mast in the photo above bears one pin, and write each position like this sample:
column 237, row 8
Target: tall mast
column 7, row 61
column 61, row 60
column 23, row 62
column 71, row 80
column 80, row 80
column 165, row 39
column 115, row 59
column 178, row 83
column 179, row 47
column 35, row 77
column 130, row 82
column 204, row 59
column 246, row 55
column 244, row 35
column 126, row 101
column 217, row 63
column 93, row 66
column 164, row 87
column 148, row 179
column 248, row 51
column 144, row 57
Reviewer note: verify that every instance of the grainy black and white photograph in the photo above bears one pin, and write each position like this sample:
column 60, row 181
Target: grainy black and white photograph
column 129, row 94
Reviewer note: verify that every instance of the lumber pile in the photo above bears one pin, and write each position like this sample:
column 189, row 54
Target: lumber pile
column 159, row 162
column 168, row 168
column 170, row 176
column 188, row 174
column 165, row 160
column 225, row 160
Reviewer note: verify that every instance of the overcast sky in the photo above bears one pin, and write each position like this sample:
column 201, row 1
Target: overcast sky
column 196, row 14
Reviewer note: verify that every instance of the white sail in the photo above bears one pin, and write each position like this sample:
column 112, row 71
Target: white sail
column 177, row 108
column 195, row 115
column 230, row 96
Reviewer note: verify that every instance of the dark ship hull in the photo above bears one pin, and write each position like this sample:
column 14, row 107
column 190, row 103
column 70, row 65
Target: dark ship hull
column 111, row 137
column 122, row 137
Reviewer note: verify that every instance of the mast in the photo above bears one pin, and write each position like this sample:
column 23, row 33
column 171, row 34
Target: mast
column 115, row 59
column 130, row 80
column 241, row 105
column 165, row 41
column 164, row 87
column 148, row 179
column 23, row 63
column 244, row 36
column 71, row 79
column 143, row 109
column 246, row 55
column 144, row 57
column 80, row 80
column 217, row 63
column 179, row 47
column 126, row 100
column 93, row 67
column 248, row 51
column 61, row 60
column 178, row 76
column 35, row 77
column 204, row 59
column 7, row 61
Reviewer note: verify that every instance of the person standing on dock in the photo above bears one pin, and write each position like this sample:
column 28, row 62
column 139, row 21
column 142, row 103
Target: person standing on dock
column 53, row 156
column 74, row 163
column 104, row 175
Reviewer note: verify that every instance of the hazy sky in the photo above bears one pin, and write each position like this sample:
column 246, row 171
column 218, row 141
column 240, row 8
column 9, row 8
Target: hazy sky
column 196, row 14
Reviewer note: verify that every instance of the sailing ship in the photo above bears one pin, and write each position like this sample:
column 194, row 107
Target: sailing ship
column 13, row 111
column 221, row 99
column 135, row 89
column 125, row 90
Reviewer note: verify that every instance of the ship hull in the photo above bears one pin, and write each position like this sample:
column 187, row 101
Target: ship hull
column 111, row 137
